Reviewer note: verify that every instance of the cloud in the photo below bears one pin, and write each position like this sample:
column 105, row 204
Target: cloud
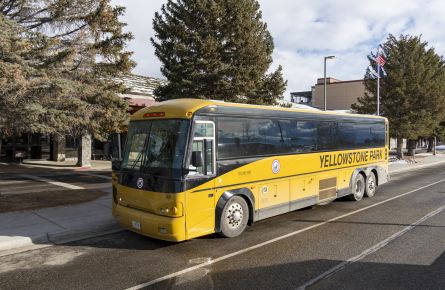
column 305, row 31
column 138, row 16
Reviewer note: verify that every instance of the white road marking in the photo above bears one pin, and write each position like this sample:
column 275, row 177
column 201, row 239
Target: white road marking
column 225, row 257
column 369, row 251
column 53, row 182
column 1, row 163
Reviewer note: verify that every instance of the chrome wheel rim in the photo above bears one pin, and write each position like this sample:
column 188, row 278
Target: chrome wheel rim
column 371, row 184
column 234, row 216
column 359, row 188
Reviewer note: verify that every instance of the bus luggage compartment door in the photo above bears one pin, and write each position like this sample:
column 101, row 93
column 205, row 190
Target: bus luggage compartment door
column 274, row 198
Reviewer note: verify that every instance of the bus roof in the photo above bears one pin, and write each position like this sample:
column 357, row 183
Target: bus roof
column 185, row 108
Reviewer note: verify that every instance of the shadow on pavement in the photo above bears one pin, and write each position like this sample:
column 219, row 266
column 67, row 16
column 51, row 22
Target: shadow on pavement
column 122, row 240
column 359, row 275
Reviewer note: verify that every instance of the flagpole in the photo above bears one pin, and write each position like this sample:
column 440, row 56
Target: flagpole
column 378, row 84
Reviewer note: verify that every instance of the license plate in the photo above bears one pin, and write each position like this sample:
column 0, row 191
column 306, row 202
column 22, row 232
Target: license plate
column 136, row 225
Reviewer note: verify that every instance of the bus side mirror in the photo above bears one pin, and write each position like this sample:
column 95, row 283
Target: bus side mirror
column 116, row 151
column 196, row 159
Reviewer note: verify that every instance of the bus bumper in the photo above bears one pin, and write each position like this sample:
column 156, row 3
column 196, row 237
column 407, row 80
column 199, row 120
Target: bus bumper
column 151, row 225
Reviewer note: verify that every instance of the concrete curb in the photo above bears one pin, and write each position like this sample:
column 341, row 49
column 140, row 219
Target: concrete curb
column 64, row 167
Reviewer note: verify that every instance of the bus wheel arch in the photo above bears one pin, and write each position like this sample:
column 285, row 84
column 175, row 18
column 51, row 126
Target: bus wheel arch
column 243, row 193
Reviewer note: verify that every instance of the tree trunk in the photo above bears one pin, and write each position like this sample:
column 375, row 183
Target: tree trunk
column 411, row 147
column 430, row 144
column 58, row 152
column 14, row 147
column 399, row 148
column 84, row 151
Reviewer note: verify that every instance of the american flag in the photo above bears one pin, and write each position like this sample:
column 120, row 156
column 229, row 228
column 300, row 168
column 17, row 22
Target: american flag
column 380, row 60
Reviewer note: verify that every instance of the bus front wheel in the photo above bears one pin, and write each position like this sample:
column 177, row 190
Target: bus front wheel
column 234, row 217
column 358, row 188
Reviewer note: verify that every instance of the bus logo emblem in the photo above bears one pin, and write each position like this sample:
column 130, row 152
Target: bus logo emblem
column 276, row 166
column 140, row 182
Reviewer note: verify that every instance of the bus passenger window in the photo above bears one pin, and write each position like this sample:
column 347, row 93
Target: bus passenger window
column 204, row 142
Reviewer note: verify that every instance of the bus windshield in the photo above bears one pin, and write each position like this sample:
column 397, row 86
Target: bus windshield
column 156, row 147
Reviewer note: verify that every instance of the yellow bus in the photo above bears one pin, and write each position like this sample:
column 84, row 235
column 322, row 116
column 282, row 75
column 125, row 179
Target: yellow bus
column 195, row 167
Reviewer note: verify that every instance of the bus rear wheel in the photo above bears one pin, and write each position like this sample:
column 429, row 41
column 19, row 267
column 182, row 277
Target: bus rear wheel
column 234, row 217
column 358, row 188
column 371, row 185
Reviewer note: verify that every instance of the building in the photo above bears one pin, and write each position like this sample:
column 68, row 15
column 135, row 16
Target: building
column 289, row 104
column 140, row 90
column 302, row 98
column 340, row 94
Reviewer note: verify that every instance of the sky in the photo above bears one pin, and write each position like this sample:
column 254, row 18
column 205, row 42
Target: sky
column 305, row 31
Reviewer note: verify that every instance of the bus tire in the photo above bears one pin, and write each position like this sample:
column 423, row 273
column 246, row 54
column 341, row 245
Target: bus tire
column 358, row 188
column 234, row 217
column 371, row 185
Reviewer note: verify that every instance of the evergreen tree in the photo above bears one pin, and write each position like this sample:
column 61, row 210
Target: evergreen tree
column 216, row 49
column 21, row 53
column 68, row 52
column 412, row 96
column 438, row 134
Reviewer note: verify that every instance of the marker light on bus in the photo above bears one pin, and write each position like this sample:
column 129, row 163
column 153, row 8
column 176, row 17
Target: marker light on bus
column 171, row 210
column 154, row 114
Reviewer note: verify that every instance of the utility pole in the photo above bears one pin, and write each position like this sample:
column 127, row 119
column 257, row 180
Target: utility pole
column 326, row 58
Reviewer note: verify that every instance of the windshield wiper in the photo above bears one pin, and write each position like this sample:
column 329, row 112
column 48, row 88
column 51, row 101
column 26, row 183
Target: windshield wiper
column 133, row 165
column 144, row 148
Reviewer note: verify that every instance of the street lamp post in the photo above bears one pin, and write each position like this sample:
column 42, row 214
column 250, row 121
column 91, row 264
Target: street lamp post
column 325, row 58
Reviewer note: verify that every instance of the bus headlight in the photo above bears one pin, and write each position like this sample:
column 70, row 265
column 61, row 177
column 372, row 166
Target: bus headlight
column 171, row 210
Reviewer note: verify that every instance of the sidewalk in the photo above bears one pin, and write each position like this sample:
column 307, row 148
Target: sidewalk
column 64, row 223
column 57, row 224
column 422, row 160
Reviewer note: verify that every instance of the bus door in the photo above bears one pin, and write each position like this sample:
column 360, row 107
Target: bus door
column 200, row 203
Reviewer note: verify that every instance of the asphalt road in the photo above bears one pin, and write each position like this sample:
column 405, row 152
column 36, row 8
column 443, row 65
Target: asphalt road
column 24, row 179
column 395, row 240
